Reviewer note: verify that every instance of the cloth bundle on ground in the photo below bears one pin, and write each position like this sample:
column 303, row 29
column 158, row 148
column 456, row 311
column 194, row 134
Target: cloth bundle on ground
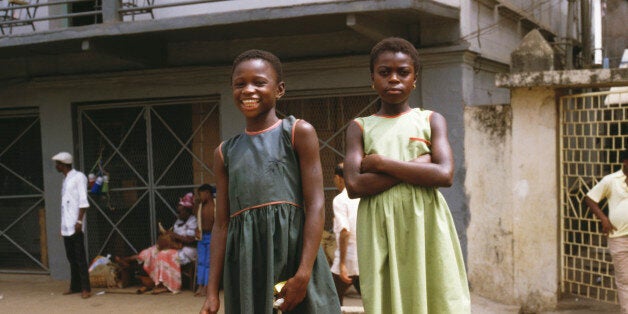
column 104, row 275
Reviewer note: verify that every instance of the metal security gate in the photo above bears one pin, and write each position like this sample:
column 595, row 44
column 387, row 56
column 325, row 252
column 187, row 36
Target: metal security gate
column 330, row 116
column 594, row 130
column 153, row 153
column 22, row 209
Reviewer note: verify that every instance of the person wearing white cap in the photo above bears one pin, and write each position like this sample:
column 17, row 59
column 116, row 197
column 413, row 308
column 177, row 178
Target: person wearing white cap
column 73, row 206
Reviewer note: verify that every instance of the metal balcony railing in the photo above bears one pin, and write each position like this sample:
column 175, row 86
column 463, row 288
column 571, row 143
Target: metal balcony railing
column 23, row 16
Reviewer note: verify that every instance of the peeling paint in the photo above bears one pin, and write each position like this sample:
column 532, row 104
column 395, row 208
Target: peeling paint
column 495, row 120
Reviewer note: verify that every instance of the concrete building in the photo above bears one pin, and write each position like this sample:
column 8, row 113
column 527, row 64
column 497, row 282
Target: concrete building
column 139, row 90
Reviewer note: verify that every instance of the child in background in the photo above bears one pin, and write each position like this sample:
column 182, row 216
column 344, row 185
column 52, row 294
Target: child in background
column 269, row 205
column 205, row 218
column 344, row 269
column 410, row 257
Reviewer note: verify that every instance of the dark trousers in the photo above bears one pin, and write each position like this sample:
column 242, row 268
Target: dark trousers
column 75, row 251
column 341, row 286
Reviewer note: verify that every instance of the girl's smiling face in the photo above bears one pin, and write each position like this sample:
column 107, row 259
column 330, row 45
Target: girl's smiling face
column 255, row 87
column 393, row 77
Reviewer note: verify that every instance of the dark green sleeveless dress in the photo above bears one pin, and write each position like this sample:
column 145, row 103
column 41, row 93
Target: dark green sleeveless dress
column 265, row 236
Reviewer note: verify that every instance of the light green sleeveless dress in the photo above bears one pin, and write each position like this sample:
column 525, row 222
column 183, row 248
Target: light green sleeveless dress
column 265, row 236
column 408, row 249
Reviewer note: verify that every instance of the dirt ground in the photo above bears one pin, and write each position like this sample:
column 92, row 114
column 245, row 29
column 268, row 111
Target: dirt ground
column 41, row 294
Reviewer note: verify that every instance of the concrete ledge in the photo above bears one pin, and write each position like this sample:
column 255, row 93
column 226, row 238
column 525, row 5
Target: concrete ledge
column 228, row 15
column 564, row 79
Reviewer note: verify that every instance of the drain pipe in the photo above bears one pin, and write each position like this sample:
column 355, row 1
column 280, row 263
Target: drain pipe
column 596, row 30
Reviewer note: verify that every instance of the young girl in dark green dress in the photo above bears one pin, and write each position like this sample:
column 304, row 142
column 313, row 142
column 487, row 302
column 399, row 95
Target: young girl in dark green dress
column 269, row 204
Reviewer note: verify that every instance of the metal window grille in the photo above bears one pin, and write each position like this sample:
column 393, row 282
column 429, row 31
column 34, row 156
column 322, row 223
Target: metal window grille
column 330, row 116
column 153, row 153
column 23, row 222
column 594, row 130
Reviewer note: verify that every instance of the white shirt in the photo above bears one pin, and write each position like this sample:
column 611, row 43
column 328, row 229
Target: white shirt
column 73, row 197
column 186, row 228
column 613, row 187
column 345, row 217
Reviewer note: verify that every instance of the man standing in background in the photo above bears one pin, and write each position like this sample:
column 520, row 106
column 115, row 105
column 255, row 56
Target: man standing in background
column 614, row 188
column 73, row 206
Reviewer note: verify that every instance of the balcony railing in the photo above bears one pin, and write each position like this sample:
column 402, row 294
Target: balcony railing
column 24, row 16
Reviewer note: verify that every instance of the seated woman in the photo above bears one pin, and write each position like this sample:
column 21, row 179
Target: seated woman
column 162, row 262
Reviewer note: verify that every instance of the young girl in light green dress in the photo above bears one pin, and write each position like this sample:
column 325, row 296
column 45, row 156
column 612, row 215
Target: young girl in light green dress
column 396, row 159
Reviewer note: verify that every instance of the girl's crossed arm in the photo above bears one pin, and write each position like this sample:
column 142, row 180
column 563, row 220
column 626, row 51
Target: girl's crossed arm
column 358, row 183
column 438, row 173
column 373, row 174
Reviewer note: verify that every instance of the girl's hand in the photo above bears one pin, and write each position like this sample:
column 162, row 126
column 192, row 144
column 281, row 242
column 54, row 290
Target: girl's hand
column 211, row 305
column 370, row 163
column 293, row 292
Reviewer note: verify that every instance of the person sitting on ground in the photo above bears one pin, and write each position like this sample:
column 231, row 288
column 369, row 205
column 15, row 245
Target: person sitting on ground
column 162, row 261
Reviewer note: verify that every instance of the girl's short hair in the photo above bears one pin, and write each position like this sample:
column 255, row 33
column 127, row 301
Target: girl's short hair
column 395, row 44
column 207, row 187
column 259, row 54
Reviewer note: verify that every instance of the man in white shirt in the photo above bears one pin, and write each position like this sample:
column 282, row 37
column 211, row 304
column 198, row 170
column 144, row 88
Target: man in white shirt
column 73, row 206
column 614, row 188
column 345, row 267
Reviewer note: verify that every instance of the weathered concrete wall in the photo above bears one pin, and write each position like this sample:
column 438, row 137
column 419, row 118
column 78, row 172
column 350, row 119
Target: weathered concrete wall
column 535, row 200
column 512, row 186
column 488, row 148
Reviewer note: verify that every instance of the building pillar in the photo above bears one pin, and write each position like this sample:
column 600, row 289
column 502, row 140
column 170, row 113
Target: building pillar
column 57, row 135
column 535, row 212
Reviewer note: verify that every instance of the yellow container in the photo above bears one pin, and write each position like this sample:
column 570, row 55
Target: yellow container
column 279, row 286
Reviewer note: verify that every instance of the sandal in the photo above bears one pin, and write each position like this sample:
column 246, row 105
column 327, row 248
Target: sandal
column 159, row 290
column 142, row 290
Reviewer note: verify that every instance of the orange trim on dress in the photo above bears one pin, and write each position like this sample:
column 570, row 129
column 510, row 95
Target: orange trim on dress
column 421, row 140
column 262, row 205
column 294, row 127
column 392, row 117
column 264, row 130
